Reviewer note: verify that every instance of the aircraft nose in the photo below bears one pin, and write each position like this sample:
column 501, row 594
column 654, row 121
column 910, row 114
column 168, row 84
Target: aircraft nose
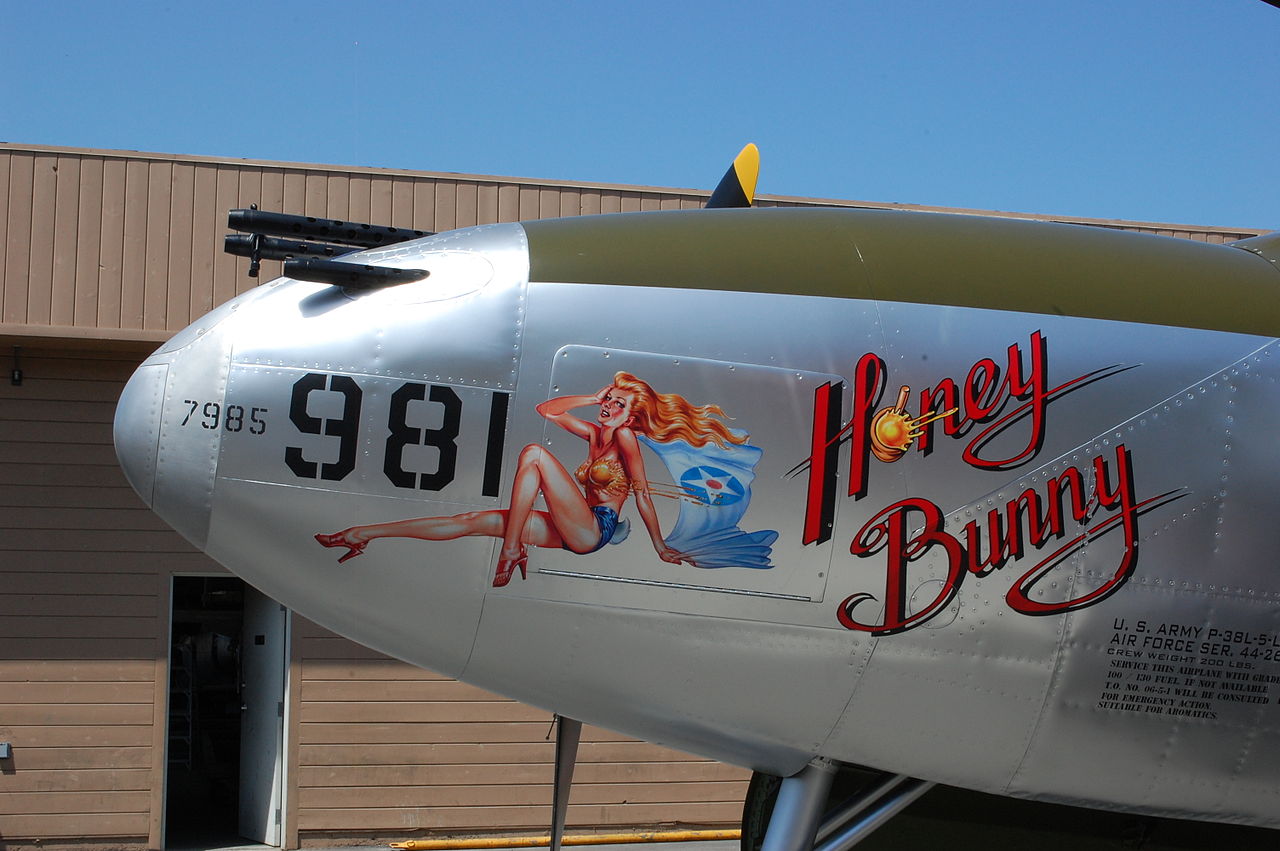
column 136, row 431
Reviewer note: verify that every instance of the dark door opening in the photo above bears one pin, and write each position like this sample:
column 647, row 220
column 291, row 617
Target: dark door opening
column 225, row 735
column 203, row 787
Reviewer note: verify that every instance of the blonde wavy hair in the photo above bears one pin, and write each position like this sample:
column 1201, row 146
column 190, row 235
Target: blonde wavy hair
column 669, row 416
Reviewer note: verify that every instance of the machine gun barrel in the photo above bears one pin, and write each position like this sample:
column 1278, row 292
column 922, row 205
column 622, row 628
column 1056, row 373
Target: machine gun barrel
column 272, row 248
column 310, row 227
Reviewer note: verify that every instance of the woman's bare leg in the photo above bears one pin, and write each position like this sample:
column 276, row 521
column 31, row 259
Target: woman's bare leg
column 489, row 523
column 538, row 471
column 539, row 530
column 568, row 520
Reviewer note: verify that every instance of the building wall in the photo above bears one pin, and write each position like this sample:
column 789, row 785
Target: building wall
column 124, row 245
column 386, row 747
column 104, row 254
column 83, row 610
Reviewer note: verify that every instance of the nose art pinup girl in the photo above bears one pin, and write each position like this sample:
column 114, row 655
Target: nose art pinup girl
column 579, row 520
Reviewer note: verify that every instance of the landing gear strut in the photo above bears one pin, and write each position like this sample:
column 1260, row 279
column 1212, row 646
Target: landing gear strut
column 823, row 808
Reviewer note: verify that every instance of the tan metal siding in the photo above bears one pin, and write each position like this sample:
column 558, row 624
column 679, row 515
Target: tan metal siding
column 17, row 268
column 43, row 210
column 390, row 748
column 83, row 612
column 132, row 242
column 88, row 244
column 110, row 278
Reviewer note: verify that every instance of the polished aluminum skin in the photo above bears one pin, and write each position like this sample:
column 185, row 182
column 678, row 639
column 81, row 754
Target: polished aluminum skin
column 1113, row 639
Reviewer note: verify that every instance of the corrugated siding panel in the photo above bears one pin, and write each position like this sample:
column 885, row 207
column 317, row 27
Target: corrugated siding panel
column 466, row 205
column 43, row 212
column 111, row 258
column 446, row 206
column 432, row 755
column 357, row 198
column 226, row 269
column 134, row 264
column 83, row 610
column 88, row 245
column 65, row 235
column 508, row 203
column 17, row 266
column 181, row 230
column 381, row 191
column 155, row 287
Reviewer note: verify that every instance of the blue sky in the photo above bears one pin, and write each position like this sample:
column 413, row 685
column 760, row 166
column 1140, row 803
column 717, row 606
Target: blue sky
column 1157, row 110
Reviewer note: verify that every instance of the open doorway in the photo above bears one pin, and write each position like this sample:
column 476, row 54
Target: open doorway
column 226, row 700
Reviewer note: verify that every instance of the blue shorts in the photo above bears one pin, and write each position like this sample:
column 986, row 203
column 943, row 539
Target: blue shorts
column 607, row 520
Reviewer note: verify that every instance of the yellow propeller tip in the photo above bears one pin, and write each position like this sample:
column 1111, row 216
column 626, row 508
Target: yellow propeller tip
column 747, row 166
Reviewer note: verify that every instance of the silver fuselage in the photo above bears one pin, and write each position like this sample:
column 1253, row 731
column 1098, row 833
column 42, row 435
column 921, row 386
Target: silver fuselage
column 1067, row 589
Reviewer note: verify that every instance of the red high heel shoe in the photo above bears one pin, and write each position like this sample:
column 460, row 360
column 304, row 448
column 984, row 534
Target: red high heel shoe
column 337, row 539
column 507, row 566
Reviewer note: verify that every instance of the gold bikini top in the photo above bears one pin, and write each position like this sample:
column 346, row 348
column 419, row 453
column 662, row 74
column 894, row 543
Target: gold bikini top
column 605, row 475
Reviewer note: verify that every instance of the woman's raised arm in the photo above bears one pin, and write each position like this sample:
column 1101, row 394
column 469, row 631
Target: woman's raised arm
column 557, row 408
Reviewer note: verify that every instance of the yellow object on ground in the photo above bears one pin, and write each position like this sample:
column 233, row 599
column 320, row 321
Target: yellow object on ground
column 575, row 839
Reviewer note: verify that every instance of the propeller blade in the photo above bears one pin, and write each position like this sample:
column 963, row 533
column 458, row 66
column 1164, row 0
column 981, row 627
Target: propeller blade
column 568, row 732
column 738, row 186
